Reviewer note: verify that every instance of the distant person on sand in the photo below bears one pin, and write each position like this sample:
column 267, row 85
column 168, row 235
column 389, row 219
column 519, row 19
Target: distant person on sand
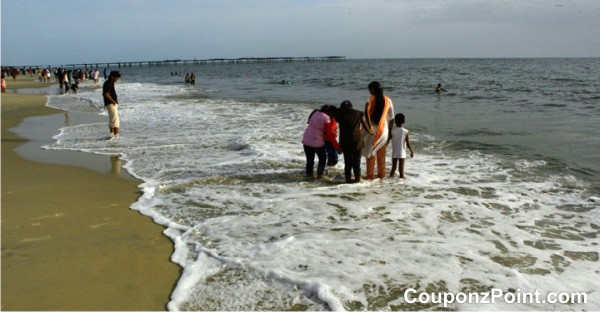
column 3, row 84
column 379, row 111
column 351, row 139
column 111, row 102
column 400, row 144
column 314, row 143
column 439, row 89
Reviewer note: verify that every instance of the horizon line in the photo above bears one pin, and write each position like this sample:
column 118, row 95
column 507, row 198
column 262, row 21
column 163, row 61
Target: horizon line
column 300, row 57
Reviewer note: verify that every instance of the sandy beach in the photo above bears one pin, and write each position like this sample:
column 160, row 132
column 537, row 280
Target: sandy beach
column 23, row 82
column 69, row 239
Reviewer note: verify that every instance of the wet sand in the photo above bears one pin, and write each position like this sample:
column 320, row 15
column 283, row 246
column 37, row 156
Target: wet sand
column 23, row 81
column 69, row 239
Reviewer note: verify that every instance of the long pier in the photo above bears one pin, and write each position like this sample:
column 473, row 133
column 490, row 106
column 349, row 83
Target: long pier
column 242, row 60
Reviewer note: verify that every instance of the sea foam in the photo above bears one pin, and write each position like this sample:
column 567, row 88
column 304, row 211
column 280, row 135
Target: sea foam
column 225, row 178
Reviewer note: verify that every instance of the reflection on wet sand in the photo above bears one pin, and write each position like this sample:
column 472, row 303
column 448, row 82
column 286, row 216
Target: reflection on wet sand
column 115, row 163
column 67, row 119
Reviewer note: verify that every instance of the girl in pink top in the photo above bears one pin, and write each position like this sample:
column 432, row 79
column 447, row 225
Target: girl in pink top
column 314, row 143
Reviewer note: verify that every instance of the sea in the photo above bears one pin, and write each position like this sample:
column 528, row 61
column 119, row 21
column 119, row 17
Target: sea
column 503, row 192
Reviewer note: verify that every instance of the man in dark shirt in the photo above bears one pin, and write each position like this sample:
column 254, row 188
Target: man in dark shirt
column 351, row 139
column 111, row 102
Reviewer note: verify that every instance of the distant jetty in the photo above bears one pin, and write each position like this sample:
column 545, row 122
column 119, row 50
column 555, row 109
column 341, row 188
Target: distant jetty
column 242, row 60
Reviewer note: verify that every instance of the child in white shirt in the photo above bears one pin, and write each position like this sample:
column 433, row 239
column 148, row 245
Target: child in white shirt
column 400, row 143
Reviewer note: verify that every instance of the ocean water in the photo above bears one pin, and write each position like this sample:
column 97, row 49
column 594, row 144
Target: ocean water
column 503, row 192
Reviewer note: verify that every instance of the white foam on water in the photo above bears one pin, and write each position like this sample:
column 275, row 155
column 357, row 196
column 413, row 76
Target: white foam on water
column 225, row 177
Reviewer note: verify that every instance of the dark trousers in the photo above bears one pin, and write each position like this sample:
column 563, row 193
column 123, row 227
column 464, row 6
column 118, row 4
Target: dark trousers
column 310, row 160
column 352, row 163
column 332, row 154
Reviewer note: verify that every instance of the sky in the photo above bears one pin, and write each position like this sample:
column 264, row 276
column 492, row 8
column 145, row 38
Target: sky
column 43, row 32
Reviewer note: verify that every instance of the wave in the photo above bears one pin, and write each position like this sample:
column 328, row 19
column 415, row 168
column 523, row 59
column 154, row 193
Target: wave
column 252, row 234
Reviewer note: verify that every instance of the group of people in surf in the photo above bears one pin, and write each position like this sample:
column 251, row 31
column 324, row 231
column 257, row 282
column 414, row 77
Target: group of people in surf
column 365, row 134
column 190, row 78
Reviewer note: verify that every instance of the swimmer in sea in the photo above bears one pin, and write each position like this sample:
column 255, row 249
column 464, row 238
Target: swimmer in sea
column 439, row 89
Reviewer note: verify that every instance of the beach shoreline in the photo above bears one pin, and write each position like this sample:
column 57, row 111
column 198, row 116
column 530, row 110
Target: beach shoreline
column 69, row 239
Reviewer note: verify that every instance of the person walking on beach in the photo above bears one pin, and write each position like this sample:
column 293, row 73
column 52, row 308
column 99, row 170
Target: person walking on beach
column 379, row 110
column 314, row 143
column 111, row 102
column 400, row 144
column 351, row 122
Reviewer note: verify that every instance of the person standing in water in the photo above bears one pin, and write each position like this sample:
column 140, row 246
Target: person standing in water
column 331, row 145
column 314, row 143
column 111, row 102
column 96, row 76
column 379, row 111
column 351, row 122
column 193, row 78
column 66, row 84
column 439, row 89
column 400, row 144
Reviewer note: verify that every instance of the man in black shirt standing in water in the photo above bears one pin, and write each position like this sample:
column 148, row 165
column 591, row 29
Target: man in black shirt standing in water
column 111, row 102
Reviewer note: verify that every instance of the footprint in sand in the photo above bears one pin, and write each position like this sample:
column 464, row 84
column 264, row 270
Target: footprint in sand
column 56, row 215
column 35, row 239
column 95, row 226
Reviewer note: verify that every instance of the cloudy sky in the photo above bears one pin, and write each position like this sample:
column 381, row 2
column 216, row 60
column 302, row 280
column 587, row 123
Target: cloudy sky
column 75, row 31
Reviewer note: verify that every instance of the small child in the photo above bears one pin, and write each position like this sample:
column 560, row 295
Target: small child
column 400, row 142
column 331, row 133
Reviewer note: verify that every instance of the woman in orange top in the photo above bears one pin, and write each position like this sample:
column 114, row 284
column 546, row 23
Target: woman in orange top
column 379, row 111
